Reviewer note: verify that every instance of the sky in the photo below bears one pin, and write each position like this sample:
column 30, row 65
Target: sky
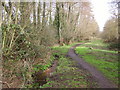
column 101, row 11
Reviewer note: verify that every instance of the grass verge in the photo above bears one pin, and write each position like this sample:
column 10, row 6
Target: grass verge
column 67, row 74
column 97, row 54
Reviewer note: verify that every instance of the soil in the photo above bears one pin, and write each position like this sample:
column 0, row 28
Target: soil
column 100, row 79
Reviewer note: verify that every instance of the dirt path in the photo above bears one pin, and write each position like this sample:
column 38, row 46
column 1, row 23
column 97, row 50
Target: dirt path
column 101, row 80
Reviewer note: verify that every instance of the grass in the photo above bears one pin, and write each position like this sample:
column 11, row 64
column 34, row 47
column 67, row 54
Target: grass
column 67, row 74
column 101, row 57
column 97, row 44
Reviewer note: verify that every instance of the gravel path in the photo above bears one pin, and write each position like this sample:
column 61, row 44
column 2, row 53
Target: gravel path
column 101, row 80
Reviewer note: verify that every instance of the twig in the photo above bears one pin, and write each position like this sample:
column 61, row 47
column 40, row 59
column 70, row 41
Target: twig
column 5, row 83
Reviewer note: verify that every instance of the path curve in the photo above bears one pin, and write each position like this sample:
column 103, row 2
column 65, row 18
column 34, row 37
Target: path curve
column 101, row 80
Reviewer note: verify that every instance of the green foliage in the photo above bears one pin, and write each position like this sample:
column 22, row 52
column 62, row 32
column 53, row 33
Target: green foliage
column 40, row 67
column 40, row 51
column 6, row 27
column 22, row 44
column 34, row 85
column 114, row 46
column 47, row 85
column 19, row 58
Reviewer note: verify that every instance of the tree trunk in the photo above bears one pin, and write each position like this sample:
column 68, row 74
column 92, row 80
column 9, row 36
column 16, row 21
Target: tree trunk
column 38, row 14
column 43, row 18
column 58, row 23
column 50, row 18
column 34, row 14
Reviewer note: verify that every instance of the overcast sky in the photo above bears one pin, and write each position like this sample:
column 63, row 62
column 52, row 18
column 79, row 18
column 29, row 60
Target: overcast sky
column 101, row 11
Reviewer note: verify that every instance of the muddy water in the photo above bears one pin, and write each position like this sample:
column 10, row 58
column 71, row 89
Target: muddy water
column 41, row 76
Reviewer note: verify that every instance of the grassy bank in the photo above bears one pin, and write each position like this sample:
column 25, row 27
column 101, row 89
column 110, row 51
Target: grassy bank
column 97, row 53
column 67, row 74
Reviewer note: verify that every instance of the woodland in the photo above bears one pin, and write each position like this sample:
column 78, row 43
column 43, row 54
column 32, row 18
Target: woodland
column 37, row 36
